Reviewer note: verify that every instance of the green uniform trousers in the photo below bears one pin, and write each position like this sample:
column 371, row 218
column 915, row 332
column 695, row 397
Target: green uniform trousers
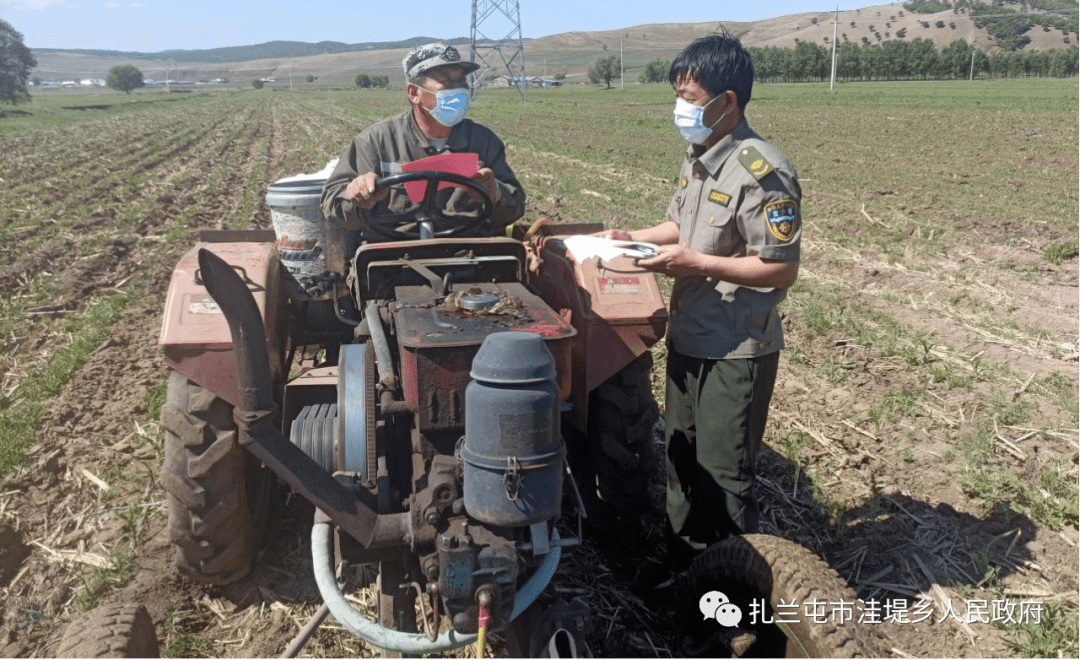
column 715, row 419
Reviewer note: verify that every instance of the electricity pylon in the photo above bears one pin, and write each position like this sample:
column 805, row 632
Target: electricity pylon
column 503, row 54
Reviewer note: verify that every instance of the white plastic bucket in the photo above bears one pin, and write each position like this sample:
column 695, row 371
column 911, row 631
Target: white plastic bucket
column 308, row 245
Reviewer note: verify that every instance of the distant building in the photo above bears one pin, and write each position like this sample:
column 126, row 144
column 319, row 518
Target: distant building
column 532, row 81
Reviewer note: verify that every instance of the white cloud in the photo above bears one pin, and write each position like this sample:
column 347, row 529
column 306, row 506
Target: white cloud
column 29, row 4
column 136, row 4
column 112, row 4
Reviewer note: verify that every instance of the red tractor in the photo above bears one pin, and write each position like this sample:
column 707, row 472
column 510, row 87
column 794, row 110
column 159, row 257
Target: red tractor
column 437, row 380
column 434, row 401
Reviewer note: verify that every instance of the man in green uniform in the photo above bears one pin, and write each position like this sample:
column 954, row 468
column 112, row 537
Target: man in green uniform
column 731, row 240
column 438, row 92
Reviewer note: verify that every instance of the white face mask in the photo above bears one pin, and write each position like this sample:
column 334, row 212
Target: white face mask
column 450, row 105
column 690, row 119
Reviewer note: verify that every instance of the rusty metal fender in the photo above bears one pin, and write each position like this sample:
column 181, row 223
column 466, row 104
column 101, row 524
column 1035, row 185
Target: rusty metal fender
column 616, row 307
column 195, row 337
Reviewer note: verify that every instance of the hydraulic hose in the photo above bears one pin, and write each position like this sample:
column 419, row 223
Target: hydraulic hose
column 395, row 640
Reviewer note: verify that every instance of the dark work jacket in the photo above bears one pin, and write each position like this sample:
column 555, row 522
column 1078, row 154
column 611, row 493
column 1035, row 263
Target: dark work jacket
column 384, row 146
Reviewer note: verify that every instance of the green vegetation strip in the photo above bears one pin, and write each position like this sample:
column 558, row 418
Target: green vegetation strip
column 20, row 416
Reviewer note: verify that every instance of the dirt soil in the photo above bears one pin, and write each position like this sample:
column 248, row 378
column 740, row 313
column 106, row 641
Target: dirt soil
column 58, row 525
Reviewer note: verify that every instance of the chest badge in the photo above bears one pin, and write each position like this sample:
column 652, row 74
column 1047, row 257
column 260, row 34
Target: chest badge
column 720, row 198
column 782, row 218
column 682, row 184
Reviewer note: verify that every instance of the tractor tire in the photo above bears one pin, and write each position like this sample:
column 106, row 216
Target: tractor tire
column 621, row 463
column 218, row 493
column 770, row 570
column 116, row 630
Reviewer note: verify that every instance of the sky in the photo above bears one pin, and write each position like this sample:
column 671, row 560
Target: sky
column 155, row 25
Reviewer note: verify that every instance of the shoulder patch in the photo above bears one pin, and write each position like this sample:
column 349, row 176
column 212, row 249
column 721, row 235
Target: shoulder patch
column 717, row 197
column 754, row 162
column 782, row 219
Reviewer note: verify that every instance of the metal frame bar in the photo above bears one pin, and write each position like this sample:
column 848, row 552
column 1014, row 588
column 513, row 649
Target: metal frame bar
column 483, row 49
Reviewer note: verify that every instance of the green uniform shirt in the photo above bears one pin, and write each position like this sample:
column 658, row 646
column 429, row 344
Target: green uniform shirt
column 739, row 198
column 384, row 146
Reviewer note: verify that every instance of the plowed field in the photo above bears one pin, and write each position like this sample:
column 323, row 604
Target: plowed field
column 923, row 435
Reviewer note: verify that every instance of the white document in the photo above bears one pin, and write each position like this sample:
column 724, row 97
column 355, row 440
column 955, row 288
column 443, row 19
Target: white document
column 585, row 247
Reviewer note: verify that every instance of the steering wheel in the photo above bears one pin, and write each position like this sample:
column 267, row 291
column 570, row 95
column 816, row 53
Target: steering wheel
column 426, row 212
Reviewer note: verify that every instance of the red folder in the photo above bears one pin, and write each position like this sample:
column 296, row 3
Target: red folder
column 465, row 164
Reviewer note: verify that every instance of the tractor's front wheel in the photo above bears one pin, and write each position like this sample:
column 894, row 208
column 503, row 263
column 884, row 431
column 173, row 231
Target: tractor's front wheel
column 620, row 450
column 218, row 493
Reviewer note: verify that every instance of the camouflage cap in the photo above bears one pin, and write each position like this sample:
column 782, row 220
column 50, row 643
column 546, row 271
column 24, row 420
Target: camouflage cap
column 424, row 58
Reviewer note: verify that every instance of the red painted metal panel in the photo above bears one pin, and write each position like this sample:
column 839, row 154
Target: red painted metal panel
column 437, row 347
column 616, row 307
column 194, row 335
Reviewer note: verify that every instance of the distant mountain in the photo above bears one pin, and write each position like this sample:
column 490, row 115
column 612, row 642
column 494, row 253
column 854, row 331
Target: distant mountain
column 1004, row 25
column 268, row 50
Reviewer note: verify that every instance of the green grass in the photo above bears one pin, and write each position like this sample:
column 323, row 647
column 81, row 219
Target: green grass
column 1055, row 635
column 893, row 407
column 1057, row 253
column 181, row 642
column 1057, row 387
column 792, row 444
column 154, row 399
column 99, row 582
column 1051, row 499
column 20, row 415
column 57, row 109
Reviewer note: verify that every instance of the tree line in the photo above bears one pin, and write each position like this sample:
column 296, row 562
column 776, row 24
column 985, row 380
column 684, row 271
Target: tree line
column 890, row 60
column 907, row 60
column 364, row 81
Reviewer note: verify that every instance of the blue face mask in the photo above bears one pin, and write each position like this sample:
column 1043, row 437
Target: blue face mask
column 690, row 119
column 450, row 106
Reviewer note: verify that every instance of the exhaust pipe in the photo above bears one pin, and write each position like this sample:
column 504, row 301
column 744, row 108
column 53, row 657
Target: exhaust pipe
column 254, row 418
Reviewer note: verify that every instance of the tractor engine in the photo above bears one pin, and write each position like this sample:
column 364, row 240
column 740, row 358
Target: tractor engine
column 511, row 460
column 471, row 451
column 485, row 387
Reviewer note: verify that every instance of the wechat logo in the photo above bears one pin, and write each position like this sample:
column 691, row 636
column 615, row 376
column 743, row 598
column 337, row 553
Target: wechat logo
column 715, row 605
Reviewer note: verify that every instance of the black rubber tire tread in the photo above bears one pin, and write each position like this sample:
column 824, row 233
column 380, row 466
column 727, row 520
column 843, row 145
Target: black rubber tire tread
column 218, row 494
column 777, row 569
column 115, row 630
column 621, row 452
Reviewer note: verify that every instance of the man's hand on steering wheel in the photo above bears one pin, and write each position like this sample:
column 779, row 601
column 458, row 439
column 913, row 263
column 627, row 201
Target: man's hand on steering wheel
column 427, row 212
column 485, row 177
column 363, row 192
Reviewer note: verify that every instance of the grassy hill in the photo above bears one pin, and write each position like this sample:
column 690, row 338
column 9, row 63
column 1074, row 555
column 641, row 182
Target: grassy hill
column 269, row 49
column 572, row 53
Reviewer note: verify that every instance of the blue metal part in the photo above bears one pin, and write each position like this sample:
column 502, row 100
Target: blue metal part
column 356, row 407
column 512, row 457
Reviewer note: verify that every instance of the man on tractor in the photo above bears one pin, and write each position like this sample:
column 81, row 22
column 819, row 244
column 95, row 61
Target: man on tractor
column 438, row 91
